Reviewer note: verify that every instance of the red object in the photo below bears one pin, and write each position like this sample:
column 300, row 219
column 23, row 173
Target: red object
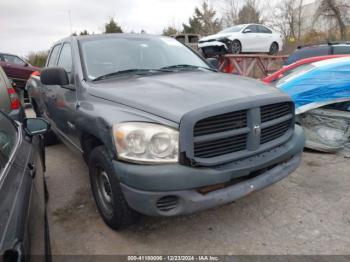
column 35, row 73
column 15, row 103
column 16, row 68
column 245, row 64
column 280, row 73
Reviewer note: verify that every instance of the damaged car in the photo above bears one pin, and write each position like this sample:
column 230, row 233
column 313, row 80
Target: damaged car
column 321, row 93
column 245, row 38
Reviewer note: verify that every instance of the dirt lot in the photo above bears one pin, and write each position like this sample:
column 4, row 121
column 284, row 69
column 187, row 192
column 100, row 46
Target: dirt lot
column 307, row 213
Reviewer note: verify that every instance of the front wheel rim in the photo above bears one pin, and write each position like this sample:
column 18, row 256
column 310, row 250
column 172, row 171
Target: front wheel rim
column 104, row 190
column 236, row 47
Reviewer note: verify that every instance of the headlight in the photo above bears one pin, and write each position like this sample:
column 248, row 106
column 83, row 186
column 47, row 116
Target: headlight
column 146, row 143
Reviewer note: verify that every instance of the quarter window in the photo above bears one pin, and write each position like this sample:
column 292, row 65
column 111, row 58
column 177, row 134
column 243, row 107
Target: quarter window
column 65, row 59
column 53, row 56
column 264, row 30
column 8, row 137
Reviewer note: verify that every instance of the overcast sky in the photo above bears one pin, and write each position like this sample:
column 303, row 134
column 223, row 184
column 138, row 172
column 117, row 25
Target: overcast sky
column 32, row 25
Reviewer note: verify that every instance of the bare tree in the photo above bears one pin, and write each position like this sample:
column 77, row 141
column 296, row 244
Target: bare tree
column 288, row 18
column 338, row 10
column 230, row 9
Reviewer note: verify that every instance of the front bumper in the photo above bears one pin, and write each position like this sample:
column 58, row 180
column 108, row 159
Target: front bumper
column 143, row 186
column 212, row 44
column 190, row 201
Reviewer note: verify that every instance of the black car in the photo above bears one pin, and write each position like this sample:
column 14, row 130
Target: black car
column 23, row 228
column 307, row 51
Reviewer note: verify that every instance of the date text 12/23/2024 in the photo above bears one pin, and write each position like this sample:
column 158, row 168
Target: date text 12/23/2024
column 173, row 258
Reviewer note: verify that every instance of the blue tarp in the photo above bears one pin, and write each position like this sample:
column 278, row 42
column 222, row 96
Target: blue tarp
column 322, row 85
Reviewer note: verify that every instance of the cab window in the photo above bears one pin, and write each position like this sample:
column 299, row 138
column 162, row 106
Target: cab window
column 65, row 59
column 8, row 138
column 53, row 56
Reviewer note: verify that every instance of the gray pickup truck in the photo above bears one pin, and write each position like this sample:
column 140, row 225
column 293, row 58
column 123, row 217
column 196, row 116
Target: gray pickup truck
column 163, row 132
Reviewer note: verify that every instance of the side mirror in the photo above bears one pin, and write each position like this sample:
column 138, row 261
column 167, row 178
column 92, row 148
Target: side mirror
column 213, row 62
column 35, row 126
column 54, row 76
column 26, row 64
column 247, row 30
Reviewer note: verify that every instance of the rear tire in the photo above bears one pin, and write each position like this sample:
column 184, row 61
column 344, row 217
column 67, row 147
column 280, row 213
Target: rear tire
column 274, row 48
column 107, row 192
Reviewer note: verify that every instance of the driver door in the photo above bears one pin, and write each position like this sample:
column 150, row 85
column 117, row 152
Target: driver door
column 63, row 101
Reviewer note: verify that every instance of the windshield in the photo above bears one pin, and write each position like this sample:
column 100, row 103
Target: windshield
column 116, row 54
column 295, row 73
column 233, row 29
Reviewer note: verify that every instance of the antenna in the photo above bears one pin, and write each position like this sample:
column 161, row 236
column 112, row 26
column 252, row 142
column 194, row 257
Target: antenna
column 70, row 22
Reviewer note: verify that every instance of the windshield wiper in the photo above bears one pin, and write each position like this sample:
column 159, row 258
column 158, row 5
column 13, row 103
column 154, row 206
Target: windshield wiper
column 186, row 67
column 129, row 71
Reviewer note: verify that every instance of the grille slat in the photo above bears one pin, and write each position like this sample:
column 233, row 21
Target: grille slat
column 220, row 146
column 270, row 112
column 211, row 146
column 221, row 123
column 226, row 150
column 271, row 133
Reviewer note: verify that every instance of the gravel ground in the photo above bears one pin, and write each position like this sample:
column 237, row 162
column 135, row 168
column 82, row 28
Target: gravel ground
column 307, row 213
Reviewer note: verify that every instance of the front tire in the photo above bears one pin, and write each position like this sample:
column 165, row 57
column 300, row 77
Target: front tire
column 235, row 47
column 107, row 192
column 274, row 48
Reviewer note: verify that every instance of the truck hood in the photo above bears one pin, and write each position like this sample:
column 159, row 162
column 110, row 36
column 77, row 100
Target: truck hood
column 171, row 95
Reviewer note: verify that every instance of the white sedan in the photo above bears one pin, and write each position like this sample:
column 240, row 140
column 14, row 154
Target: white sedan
column 246, row 38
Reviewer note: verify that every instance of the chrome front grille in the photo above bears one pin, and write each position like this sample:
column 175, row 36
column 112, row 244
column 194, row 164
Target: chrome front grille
column 242, row 132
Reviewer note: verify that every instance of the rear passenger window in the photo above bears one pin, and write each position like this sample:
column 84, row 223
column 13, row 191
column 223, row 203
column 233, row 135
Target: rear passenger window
column 53, row 56
column 65, row 59
column 338, row 50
